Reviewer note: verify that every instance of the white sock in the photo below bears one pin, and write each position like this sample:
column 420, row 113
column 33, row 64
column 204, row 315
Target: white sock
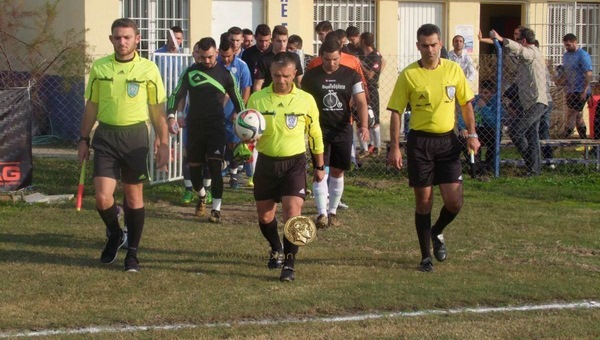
column 207, row 182
column 187, row 183
column 376, row 136
column 202, row 192
column 336, row 189
column 320, row 193
column 217, row 204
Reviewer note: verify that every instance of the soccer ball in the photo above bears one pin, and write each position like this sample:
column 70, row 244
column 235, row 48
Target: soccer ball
column 249, row 125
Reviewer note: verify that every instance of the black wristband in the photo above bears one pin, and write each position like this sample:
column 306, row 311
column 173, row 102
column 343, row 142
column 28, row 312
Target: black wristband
column 84, row 139
column 322, row 167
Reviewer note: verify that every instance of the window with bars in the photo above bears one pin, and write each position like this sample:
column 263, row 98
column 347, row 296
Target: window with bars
column 344, row 13
column 581, row 19
column 155, row 18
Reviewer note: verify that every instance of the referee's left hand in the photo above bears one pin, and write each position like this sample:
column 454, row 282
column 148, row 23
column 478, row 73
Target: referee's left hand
column 162, row 156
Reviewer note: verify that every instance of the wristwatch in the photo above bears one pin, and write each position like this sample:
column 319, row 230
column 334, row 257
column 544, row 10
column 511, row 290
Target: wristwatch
column 170, row 115
column 472, row 135
column 322, row 167
column 84, row 139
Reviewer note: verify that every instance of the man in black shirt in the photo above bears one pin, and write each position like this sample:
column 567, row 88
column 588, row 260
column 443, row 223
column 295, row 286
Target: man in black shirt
column 262, row 74
column 263, row 44
column 333, row 86
column 207, row 83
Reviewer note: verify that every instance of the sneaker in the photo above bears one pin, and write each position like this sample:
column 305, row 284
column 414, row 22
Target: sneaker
column 208, row 197
column 233, row 183
column 215, row 216
column 343, row 205
column 287, row 274
column 250, row 182
column 439, row 247
column 132, row 264
column 114, row 242
column 188, row 197
column 332, row 221
column 321, row 221
column 275, row 259
column 426, row 265
column 201, row 207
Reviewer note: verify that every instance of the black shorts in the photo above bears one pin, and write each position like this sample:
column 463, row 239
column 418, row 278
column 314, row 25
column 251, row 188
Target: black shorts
column 275, row 177
column 433, row 159
column 574, row 101
column 338, row 148
column 204, row 143
column 121, row 152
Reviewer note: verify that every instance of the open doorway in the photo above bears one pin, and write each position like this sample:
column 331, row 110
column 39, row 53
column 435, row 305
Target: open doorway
column 502, row 18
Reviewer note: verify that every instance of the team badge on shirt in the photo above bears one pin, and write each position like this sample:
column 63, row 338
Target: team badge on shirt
column 450, row 92
column 291, row 121
column 133, row 89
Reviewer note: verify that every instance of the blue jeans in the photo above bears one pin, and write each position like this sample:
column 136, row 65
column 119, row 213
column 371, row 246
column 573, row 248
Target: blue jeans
column 524, row 134
column 545, row 132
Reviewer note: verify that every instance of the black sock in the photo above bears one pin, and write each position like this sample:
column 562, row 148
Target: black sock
column 269, row 231
column 214, row 166
column 443, row 220
column 582, row 131
column 196, row 177
column 423, row 224
column 289, row 250
column 134, row 219
column 110, row 217
column 132, row 252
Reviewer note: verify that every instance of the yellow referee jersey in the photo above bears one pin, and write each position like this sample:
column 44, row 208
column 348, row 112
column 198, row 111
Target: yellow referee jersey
column 124, row 90
column 289, row 117
column 431, row 94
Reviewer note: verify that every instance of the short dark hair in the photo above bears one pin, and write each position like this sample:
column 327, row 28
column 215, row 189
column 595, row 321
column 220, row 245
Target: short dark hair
column 527, row 34
column 330, row 46
column 341, row 33
column 323, row 26
column 352, row 31
column 280, row 30
column 458, row 36
column 263, row 29
column 295, row 39
column 284, row 59
column 206, row 43
column 225, row 45
column 234, row 30
column 487, row 84
column 428, row 30
column 570, row 37
column 367, row 39
column 125, row 22
column 247, row 31
column 176, row 29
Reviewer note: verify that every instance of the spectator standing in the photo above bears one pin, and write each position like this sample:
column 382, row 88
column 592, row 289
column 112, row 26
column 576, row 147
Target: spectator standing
column 531, row 81
column 280, row 175
column 353, row 36
column 433, row 150
column 120, row 143
column 576, row 76
column 460, row 56
column 372, row 64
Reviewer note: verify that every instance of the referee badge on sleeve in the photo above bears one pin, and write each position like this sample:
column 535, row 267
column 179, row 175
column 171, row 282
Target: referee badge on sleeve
column 450, row 91
column 300, row 230
column 291, row 121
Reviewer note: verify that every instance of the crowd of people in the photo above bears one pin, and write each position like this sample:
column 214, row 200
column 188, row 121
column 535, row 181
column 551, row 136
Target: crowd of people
column 309, row 109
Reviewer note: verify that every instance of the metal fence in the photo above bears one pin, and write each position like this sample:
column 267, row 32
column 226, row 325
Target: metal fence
column 58, row 106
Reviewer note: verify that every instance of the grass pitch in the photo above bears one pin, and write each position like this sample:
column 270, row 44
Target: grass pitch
column 517, row 241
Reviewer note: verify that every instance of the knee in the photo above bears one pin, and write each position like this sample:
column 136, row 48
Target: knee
column 423, row 207
column 104, row 201
column 454, row 206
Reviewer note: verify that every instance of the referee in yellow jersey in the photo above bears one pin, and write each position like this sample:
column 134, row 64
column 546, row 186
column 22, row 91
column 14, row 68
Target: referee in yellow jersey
column 432, row 86
column 280, row 174
column 123, row 91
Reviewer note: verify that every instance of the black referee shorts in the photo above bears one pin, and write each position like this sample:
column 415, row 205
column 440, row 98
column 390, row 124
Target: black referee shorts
column 121, row 152
column 275, row 177
column 433, row 159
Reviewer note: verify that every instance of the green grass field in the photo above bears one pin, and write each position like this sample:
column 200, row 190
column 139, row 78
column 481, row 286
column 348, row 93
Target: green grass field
column 518, row 241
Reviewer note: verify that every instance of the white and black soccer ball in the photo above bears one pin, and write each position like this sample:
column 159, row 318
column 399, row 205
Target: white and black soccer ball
column 249, row 125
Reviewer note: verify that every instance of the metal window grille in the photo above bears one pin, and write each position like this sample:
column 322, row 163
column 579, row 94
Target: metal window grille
column 155, row 18
column 581, row 19
column 344, row 13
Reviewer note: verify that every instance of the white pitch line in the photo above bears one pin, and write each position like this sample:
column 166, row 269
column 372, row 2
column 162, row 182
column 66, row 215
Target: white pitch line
column 342, row 318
